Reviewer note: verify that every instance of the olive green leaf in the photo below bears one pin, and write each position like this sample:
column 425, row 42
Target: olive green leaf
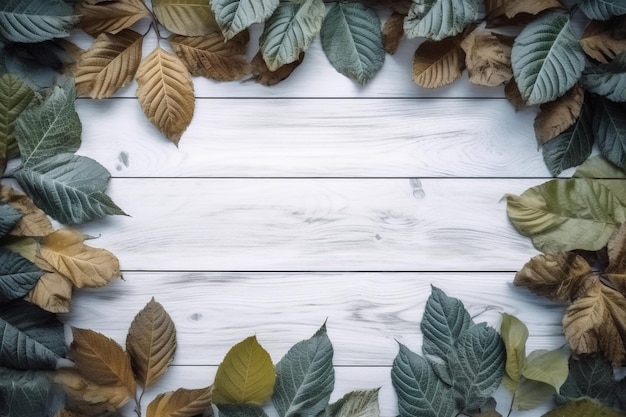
column 599, row 167
column 185, row 17
column 609, row 126
column 514, row 335
column 547, row 366
column 602, row 9
column 439, row 19
column 531, row 394
column 15, row 96
column 608, row 80
column 30, row 21
column 233, row 16
column 355, row 404
column 584, row 407
column 23, row 393
column 18, row 275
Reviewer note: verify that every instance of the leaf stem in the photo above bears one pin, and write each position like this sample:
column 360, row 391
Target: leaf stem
column 511, row 406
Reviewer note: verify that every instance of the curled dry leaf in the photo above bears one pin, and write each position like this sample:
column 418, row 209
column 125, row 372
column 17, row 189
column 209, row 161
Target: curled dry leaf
column 109, row 64
column 85, row 394
column 186, row 17
column 488, row 58
column 510, row 11
column 111, row 16
column 85, row 266
column 262, row 74
column 212, row 56
column 165, row 92
column 556, row 116
column 603, row 41
column 34, row 221
column 151, row 343
column 181, row 403
column 393, row 31
column 53, row 293
column 438, row 63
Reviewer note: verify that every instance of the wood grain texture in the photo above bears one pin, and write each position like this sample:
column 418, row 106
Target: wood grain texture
column 300, row 138
column 199, row 224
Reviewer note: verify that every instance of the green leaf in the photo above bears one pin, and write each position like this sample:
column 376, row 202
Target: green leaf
column 23, row 393
column 8, row 218
column 233, row 16
column 584, row 408
column 30, row 21
column 608, row 80
column 240, row 410
column 609, row 125
column 356, row 404
column 246, row 375
column 563, row 215
column 547, row 366
column 69, row 188
column 15, row 96
column 290, row 30
column 602, row 9
column 439, row 19
column 185, row 17
column 352, row 40
column 547, row 59
column 18, row 275
column 531, row 394
column 598, row 167
column 572, row 147
column 305, row 377
column 591, row 377
column 514, row 334
column 30, row 338
column 481, row 362
column 51, row 128
column 420, row 391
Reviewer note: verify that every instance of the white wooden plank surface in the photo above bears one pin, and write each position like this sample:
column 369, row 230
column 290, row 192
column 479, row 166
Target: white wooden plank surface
column 319, row 138
column 314, row 225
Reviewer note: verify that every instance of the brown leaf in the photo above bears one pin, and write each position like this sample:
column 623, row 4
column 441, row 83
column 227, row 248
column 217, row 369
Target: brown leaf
column 34, row 221
column 102, row 360
column 603, row 41
column 111, row 16
column 438, row 63
column 165, row 92
column 181, row 403
column 53, row 293
column 85, row 266
column 533, row 7
column 84, row 394
column 186, row 17
column 512, row 93
column 561, row 276
column 109, row 64
column 262, row 74
column 488, row 58
column 616, row 248
column 212, row 56
column 67, row 413
column 151, row 343
column 558, row 115
column 393, row 31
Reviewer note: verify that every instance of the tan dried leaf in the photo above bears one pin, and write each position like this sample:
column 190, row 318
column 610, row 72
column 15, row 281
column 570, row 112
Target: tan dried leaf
column 165, row 91
column 533, row 7
column 53, row 293
column 616, row 248
column 262, row 74
column 186, row 17
column 109, row 64
column 488, row 58
column 512, row 93
column 558, row 115
column 560, row 276
column 112, row 16
column 438, row 63
column 212, row 56
column 67, row 413
column 102, row 360
column 84, row 393
column 181, row 403
column 151, row 343
column 85, row 266
column 393, row 31
column 603, row 41
column 34, row 222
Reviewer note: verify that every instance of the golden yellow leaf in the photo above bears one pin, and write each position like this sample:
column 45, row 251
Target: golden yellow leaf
column 488, row 58
column 85, row 392
column 34, row 221
column 186, row 17
column 102, row 360
column 181, row 403
column 603, row 41
column 556, row 116
column 438, row 63
column 212, row 56
column 165, row 91
column 393, row 31
column 151, row 343
column 262, row 74
column 53, row 293
column 109, row 64
column 112, row 16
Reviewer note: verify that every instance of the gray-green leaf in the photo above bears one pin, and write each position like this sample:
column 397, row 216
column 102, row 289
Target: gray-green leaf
column 290, row 30
column 608, row 80
column 356, row 404
column 51, row 128
column 15, row 96
column 481, row 361
column 305, row 377
column 577, row 213
column 420, row 391
column 591, row 377
column 602, row 9
column 572, row 147
column 352, row 40
column 30, row 338
column 609, row 125
column 438, row 19
column 31, row 21
column 547, row 59
column 233, row 16
column 23, row 393
column 8, row 218
column 18, row 275
column 240, row 410
column 69, row 188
